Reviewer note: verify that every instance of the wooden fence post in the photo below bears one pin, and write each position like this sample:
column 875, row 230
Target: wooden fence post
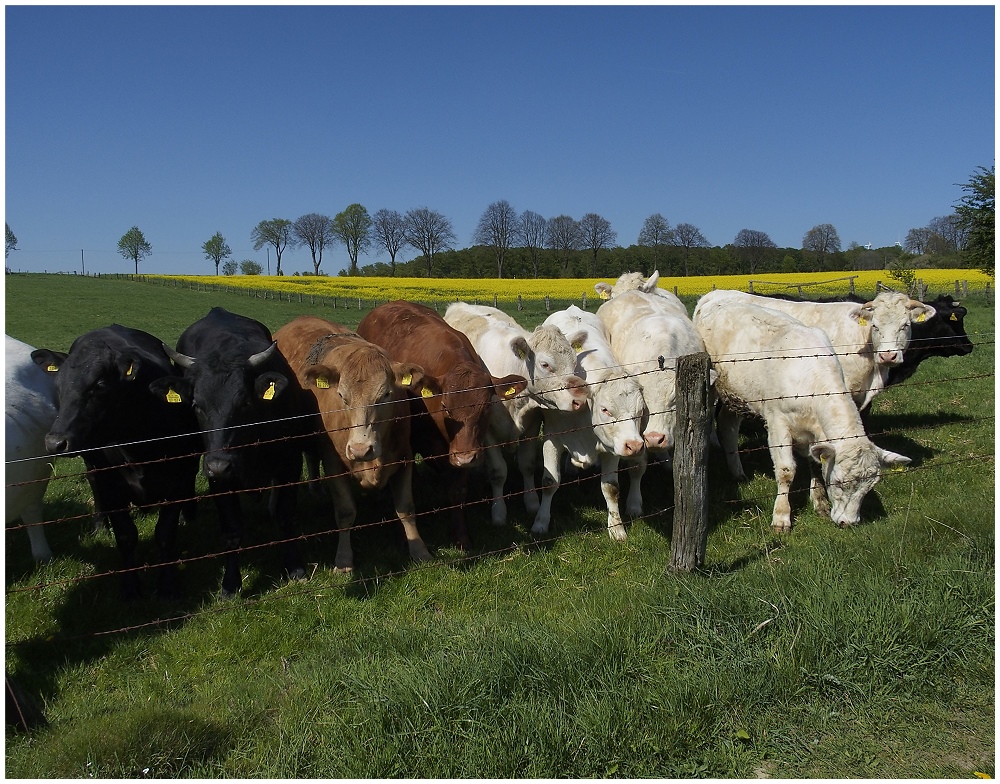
column 548, row 305
column 520, row 305
column 691, row 435
column 585, row 300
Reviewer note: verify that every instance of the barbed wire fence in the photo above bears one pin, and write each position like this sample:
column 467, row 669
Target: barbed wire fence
column 581, row 481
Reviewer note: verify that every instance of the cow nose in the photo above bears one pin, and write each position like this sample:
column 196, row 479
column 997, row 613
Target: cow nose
column 655, row 440
column 362, row 450
column 890, row 357
column 459, row 459
column 56, row 444
column 632, row 447
column 218, row 466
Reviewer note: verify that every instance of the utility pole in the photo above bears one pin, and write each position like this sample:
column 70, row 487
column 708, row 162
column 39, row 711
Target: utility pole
column 83, row 268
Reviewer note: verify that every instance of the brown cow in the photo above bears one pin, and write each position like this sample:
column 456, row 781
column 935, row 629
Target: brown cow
column 454, row 423
column 358, row 396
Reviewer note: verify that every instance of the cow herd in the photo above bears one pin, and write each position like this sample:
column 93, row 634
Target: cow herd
column 249, row 407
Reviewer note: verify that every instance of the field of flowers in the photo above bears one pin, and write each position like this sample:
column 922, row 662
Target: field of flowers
column 505, row 290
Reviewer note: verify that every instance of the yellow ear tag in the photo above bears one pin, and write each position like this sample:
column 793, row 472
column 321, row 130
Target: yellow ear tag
column 425, row 392
column 173, row 397
column 269, row 392
column 510, row 392
column 52, row 369
column 605, row 295
column 406, row 380
column 578, row 347
column 321, row 383
column 922, row 317
column 952, row 317
column 822, row 460
column 863, row 321
column 521, row 354
column 130, row 370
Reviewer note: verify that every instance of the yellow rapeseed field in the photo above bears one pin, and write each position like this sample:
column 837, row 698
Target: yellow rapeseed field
column 484, row 289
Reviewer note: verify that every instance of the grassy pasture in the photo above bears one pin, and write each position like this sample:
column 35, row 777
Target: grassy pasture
column 825, row 653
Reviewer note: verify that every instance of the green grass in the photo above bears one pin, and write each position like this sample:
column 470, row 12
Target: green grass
column 826, row 653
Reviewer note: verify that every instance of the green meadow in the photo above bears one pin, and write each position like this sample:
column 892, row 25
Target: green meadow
column 865, row 652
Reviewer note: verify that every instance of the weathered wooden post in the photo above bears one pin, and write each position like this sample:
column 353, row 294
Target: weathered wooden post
column 547, row 303
column 520, row 305
column 965, row 289
column 691, row 436
column 585, row 300
column 851, row 285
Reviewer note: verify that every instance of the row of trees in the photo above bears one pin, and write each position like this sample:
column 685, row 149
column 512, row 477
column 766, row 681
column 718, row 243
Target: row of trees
column 526, row 244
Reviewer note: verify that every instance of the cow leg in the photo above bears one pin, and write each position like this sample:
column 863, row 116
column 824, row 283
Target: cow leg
column 127, row 539
column 817, row 491
column 527, row 460
column 458, row 492
column 231, row 521
column 551, row 454
column 779, row 439
column 401, row 484
column 32, row 518
column 496, row 470
column 636, row 470
column 345, row 513
column 611, row 491
column 281, row 507
column 167, row 550
column 729, row 437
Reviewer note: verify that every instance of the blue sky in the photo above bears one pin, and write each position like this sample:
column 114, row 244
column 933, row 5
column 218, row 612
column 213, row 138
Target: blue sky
column 187, row 120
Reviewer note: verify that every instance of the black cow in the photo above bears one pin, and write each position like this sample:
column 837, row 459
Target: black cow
column 942, row 335
column 238, row 384
column 138, row 448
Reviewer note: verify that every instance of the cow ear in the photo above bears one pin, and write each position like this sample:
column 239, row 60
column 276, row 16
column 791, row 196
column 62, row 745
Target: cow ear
column 920, row 311
column 269, row 385
column 509, row 386
column 128, row 367
column 822, row 452
column 519, row 346
column 651, row 281
column 172, row 389
column 49, row 361
column 409, row 376
column 863, row 314
column 578, row 340
column 322, row 377
column 603, row 289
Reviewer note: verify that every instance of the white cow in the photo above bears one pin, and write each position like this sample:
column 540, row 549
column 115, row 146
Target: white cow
column 776, row 367
column 869, row 339
column 610, row 431
column 547, row 360
column 630, row 281
column 30, row 407
column 648, row 333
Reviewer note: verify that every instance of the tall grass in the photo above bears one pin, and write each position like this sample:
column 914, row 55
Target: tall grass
column 825, row 653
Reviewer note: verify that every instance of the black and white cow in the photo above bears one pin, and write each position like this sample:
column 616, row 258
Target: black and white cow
column 138, row 449
column 237, row 383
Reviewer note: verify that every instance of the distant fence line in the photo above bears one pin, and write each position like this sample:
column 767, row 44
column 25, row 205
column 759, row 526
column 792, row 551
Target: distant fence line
column 962, row 290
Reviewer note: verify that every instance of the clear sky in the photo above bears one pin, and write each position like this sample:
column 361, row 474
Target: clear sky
column 187, row 120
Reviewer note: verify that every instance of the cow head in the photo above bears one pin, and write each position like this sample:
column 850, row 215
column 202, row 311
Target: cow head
column 890, row 317
column 628, row 281
column 850, row 471
column 944, row 335
column 93, row 382
column 231, row 395
column 617, row 410
column 550, row 361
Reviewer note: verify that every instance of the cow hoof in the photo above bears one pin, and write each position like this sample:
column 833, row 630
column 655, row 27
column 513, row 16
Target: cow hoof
column 297, row 574
column 228, row 593
column 540, row 529
column 781, row 529
column 343, row 569
column 617, row 532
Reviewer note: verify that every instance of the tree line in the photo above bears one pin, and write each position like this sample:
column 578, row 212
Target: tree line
column 508, row 243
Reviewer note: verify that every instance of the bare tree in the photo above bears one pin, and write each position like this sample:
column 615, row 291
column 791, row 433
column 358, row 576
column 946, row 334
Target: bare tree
column 597, row 234
column 315, row 231
column 564, row 237
column 354, row 226
column 498, row 228
column 133, row 246
column 389, row 229
column 688, row 236
column 655, row 233
column 276, row 232
column 951, row 231
column 534, row 230
column 429, row 232
column 821, row 240
column 753, row 247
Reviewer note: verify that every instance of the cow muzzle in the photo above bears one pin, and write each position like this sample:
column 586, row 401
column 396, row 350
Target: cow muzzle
column 56, row 443
column 219, row 466
column 462, row 459
column 890, row 357
column 655, row 440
